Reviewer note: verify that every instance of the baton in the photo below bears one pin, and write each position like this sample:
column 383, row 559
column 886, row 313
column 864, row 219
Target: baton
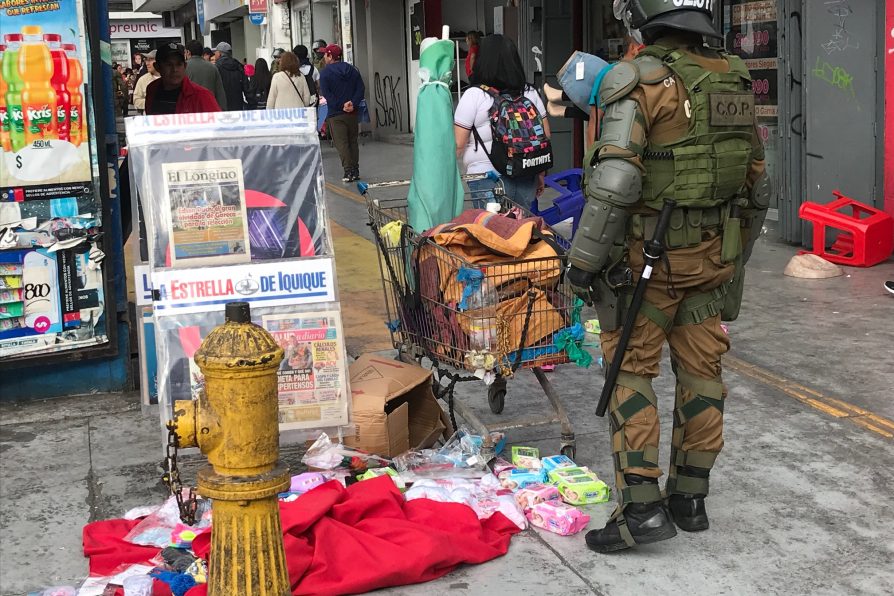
column 653, row 250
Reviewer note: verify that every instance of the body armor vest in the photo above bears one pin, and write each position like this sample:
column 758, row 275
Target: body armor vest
column 709, row 165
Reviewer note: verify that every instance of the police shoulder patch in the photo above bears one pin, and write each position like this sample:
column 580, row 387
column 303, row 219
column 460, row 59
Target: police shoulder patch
column 651, row 69
column 618, row 82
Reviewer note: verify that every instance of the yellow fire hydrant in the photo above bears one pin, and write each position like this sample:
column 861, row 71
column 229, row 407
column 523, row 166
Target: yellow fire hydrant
column 235, row 424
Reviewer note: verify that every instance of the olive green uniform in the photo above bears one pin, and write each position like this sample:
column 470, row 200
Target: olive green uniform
column 702, row 150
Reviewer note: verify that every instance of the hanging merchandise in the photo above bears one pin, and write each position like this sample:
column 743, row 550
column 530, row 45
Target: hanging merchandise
column 231, row 208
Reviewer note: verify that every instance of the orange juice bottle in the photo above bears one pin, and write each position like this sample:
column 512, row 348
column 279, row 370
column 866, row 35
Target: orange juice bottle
column 77, row 130
column 39, row 100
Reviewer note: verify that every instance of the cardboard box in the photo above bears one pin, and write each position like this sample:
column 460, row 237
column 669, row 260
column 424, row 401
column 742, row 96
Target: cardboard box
column 393, row 405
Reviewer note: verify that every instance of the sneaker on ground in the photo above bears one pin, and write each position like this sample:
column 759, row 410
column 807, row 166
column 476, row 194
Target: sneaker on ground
column 889, row 285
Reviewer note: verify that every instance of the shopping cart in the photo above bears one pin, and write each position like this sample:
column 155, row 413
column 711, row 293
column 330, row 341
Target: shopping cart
column 534, row 316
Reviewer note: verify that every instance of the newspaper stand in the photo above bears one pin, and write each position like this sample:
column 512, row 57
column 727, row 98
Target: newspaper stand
column 234, row 210
column 419, row 324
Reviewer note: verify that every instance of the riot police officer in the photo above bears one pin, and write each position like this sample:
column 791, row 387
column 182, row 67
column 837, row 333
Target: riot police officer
column 679, row 124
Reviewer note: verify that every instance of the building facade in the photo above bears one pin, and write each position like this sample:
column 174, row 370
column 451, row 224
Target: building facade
column 134, row 34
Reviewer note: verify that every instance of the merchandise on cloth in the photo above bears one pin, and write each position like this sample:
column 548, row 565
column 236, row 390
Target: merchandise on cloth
column 349, row 540
column 519, row 259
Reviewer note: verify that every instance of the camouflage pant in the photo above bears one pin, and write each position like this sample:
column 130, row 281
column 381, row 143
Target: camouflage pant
column 696, row 350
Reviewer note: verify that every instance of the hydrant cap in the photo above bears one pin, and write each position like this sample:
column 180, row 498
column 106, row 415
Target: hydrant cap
column 239, row 344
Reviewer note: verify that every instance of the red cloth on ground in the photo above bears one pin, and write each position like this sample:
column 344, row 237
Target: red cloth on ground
column 347, row 541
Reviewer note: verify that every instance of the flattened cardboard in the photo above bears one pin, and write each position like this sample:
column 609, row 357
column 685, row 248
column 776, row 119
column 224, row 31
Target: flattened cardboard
column 394, row 408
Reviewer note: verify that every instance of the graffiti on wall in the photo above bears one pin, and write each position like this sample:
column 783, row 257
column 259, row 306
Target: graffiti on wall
column 389, row 105
column 841, row 38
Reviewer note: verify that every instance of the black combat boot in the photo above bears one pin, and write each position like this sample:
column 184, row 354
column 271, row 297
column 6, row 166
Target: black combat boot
column 647, row 523
column 688, row 511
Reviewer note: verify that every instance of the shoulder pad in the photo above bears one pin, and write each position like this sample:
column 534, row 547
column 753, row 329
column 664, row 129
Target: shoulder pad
column 651, row 69
column 737, row 65
column 618, row 82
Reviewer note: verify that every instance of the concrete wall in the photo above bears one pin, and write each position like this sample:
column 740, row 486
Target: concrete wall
column 388, row 89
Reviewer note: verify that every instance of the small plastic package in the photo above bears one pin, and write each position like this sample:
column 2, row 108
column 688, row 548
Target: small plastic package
column 518, row 479
column 326, row 455
column 526, row 457
column 555, row 462
column 557, row 518
column 306, row 481
column 536, row 493
column 583, row 489
column 395, row 477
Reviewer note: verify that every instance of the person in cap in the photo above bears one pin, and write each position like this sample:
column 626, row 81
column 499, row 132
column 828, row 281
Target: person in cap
column 679, row 123
column 274, row 64
column 342, row 86
column 173, row 92
column 201, row 72
column 139, row 90
column 232, row 73
column 319, row 58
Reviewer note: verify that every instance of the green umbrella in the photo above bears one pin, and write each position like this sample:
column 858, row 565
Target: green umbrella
column 436, row 191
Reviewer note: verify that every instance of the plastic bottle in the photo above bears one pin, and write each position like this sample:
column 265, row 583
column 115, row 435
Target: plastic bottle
column 59, row 82
column 38, row 98
column 482, row 309
column 77, row 131
column 4, row 114
column 13, row 94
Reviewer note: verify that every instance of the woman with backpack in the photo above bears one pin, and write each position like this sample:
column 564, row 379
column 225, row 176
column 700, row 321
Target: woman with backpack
column 288, row 88
column 500, row 124
column 311, row 74
column 259, row 84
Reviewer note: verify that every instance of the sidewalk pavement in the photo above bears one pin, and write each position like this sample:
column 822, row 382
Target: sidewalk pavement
column 800, row 498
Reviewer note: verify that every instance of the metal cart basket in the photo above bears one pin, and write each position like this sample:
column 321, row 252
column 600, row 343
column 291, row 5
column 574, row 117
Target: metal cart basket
column 424, row 285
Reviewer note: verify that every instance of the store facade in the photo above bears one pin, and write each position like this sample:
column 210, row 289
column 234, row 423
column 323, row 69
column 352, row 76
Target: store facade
column 135, row 34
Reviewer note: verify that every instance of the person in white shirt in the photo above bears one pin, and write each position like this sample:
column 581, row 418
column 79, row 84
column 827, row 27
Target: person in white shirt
column 499, row 66
column 139, row 90
column 288, row 88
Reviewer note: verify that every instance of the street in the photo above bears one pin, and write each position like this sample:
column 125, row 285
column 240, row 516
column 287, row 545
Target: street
column 800, row 496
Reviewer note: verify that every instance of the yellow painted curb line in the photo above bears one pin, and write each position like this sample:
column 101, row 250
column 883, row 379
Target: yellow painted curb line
column 829, row 405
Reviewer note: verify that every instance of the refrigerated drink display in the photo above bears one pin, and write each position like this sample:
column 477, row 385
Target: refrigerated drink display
column 38, row 97
column 59, row 83
column 13, row 95
column 76, row 130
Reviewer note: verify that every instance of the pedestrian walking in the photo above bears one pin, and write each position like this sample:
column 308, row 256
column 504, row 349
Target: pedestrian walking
column 120, row 87
column 201, row 72
column 139, row 92
column 473, row 38
column 288, row 88
column 232, row 73
column 259, row 84
column 498, row 68
column 173, row 92
column 310, row 72
column 342, row 86
column 664, row 136
column 319, row 53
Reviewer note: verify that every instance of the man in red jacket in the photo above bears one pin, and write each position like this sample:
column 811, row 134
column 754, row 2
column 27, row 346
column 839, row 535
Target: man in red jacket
column 174, row 93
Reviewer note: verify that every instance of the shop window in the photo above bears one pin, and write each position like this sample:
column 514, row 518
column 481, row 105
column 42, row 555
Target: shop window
column 750, row 32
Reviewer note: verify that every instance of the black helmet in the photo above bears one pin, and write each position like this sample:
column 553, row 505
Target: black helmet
column 696, row 16
column 318, row 45
column 278, row 52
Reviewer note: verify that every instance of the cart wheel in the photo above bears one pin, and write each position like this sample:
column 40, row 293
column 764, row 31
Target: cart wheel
column 496, row 397
column 568, row 451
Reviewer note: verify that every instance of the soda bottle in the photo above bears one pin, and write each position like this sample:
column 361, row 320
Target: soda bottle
column 59, row 81
column 38, row 98
column 4, row 114
column 13, row 94
column 77, row 131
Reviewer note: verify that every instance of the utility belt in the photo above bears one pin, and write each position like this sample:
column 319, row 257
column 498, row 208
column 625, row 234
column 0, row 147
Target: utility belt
column 688, row 226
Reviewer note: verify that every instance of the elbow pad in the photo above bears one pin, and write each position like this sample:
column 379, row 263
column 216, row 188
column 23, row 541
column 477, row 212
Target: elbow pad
column 612, row 187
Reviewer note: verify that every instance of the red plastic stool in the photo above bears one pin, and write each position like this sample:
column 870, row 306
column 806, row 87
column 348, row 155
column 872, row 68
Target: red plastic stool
column 866, row 235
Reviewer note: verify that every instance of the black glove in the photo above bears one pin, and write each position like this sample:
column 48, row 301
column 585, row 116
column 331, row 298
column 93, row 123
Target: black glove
column 582, row 284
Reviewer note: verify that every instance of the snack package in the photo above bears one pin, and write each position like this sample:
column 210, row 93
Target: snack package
column 584, row 489
column 517, row 479
column 398, row 481
column 536, row 493
column 306, row 481
column 554, row 462
column 526, row 457
column 558, row 518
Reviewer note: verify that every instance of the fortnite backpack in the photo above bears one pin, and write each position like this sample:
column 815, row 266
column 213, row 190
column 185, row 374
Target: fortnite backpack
column 520, row 146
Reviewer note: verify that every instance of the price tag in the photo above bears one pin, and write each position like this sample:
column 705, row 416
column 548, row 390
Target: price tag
column 579, row 71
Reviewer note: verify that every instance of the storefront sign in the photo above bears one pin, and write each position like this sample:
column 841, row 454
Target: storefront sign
column 257, row 6
column 256, row 18
column 302, row 281
column 149, row 28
